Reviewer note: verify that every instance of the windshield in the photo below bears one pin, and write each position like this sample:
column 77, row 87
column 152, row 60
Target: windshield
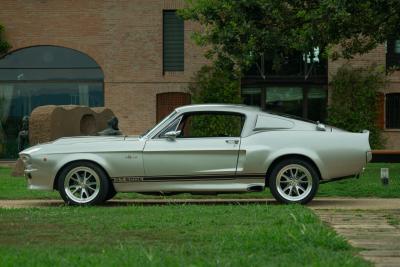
column 161, row 122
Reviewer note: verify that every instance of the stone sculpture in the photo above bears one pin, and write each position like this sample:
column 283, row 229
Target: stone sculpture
column 112, row 128
column 23, row 135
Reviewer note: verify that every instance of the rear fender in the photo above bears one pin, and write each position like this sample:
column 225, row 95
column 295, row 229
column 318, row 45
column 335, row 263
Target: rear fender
column 311, row 155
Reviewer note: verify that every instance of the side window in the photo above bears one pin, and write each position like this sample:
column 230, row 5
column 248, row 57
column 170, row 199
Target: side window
column 197, row 125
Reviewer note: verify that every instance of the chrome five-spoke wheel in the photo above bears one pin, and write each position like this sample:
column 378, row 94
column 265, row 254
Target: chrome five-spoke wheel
column 82, row 184
column 294, row 181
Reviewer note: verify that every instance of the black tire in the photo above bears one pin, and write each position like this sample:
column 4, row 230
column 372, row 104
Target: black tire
column 111, row 192
column 69, row 182
column 287, row 168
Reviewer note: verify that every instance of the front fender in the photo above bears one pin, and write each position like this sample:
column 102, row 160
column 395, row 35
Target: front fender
column 82, row 157
column 63, row 161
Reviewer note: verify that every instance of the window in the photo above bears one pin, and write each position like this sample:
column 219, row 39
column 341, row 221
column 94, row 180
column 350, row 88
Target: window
column 173, row 41
column 167, row 102
column 316, row 99
column 296, row 64
column 392, row 111
column 251, row 96
column 285, row 100
column 219, row 124
column 304, row 101
column 393, row 53
column 43, row 75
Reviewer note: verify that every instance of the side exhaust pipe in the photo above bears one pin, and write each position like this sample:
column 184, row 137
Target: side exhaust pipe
column 255, row 188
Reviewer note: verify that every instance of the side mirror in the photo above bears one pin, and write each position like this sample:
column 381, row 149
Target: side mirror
column 321, row 126
column 172, row 134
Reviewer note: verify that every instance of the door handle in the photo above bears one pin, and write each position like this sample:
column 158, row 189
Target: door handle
column 232, row 142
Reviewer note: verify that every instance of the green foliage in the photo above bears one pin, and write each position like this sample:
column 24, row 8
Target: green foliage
column 216, row 125
column 241, row 30
column 4, row 45
column 354, row 104
column 214, row 84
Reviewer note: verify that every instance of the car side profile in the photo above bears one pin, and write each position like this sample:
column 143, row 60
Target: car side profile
column 199, row 149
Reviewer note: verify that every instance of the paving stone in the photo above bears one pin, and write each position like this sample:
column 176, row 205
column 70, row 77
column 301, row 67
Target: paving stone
column 369, row 231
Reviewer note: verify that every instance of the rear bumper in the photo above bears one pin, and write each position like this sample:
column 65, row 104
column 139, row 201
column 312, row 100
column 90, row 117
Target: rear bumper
column 338, row 179
column 343, row 177
column 369, row 156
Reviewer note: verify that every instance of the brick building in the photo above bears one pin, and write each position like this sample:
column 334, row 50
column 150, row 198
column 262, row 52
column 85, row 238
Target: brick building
column 135, row 57
column 118, row 51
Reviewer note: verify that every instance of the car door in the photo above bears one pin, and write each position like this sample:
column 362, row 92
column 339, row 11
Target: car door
column 206, row 146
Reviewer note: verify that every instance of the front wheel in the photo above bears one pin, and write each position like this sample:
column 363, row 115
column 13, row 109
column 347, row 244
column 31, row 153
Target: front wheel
column 83, row 183
column 294, row 181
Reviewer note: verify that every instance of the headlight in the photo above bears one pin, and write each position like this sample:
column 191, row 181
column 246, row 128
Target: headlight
column 25, row 159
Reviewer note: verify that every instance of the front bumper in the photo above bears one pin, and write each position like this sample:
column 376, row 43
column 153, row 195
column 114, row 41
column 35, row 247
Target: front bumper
column 36, row 179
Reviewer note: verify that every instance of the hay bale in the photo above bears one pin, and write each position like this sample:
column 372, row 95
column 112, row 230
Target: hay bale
column 48, row 123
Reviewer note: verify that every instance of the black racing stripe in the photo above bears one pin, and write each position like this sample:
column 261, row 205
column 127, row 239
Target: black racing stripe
column 255, row 175
column 171, row 178
column 184, row 180
column 178, row 178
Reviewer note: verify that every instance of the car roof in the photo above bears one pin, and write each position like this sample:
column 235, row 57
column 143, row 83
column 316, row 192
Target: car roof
column 218, row 107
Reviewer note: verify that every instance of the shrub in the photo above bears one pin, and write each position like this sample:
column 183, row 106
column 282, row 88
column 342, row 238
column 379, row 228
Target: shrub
column 354, row 104
column 4, row 46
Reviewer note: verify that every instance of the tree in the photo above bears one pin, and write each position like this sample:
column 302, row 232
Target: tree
column 242, row 30
column 354, row 106
column 213, row 84
column 4, row 45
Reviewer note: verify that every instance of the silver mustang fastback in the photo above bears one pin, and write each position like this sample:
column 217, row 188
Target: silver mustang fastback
column 201, row 149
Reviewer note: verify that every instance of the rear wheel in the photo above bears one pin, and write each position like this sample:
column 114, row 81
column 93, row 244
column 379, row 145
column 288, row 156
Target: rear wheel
column 83, row 183
column 294, row 181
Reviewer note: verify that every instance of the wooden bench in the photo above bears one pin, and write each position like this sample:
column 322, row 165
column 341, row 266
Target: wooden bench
column 384, row 155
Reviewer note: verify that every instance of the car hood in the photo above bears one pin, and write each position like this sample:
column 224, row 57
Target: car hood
column 87, row 139
column 87, row 144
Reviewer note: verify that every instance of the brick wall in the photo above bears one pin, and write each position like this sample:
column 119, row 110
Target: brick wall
column 123, row 36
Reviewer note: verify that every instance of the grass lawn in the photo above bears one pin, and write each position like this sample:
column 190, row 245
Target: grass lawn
column 253, row 235
column 368, row 185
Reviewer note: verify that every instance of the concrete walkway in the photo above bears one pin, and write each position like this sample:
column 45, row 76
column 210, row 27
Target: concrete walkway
column 375, row 232
column 316, row 204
